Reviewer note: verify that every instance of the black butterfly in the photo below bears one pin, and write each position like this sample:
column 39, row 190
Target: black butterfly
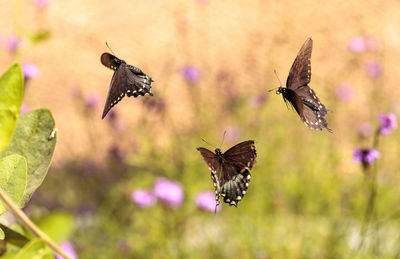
column 126, row 79
column 300, row 95
column 230, row 171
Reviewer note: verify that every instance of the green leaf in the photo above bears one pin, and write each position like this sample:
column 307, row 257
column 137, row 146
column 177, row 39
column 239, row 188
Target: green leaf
column 13, row 237
column 12, row 178
column 35, row 249
column 31, row 140
column 2, row 234
column 11, row 94
column 57, row 225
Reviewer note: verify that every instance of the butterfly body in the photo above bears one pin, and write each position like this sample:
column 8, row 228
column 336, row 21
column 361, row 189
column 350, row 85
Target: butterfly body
column 230, row 171
column 127, row 80
column 300, row 95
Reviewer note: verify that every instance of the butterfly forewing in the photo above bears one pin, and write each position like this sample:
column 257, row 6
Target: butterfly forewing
column 242, row 154
column 110, row 61
column 300, row 72
column 230, row 171
column 116, row 91
column 127, row 80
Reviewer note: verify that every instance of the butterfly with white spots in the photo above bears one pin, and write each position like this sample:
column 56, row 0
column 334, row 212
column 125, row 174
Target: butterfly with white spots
column 300, row 95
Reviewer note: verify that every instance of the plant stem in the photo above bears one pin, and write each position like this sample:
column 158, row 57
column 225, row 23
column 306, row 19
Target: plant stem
column 35, row 230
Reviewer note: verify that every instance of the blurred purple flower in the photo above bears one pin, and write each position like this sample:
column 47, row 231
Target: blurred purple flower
column 232, row 134
column 12, row 43
column 365, row 156
column 30, row 70
column 258, row 100
column 357, row 44
column 143, row 198
column 169, row 192
column 206, row 201
column 388, row 122
column 344, row 92
column 24, row 108
column 93, row 100
column 365, row 129
column 373, row 68
column 67, row 248
column 116, row 153
column 155, row 104
column 40, row 3
column 191, row 74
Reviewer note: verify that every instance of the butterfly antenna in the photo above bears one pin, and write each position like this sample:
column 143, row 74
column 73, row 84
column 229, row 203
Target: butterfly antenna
column 109, row 48
column 215, row 211
column 208, row 143
column 280, row 84
column 223, row 138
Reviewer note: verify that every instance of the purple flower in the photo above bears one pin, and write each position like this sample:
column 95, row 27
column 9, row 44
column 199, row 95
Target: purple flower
column 13, row 43
column 30, row 70
column 344, row 92
column 232, row 134
column 24, row 108
column 143, row 198
column 169, row 192
column 388, row 122
column 191, row 74
column 258, row 100
column 373, row 68
column 365, row 156
column 40, row 3
column 357, row 44
column 67, row 248
column 93, row 100
column 206, row 201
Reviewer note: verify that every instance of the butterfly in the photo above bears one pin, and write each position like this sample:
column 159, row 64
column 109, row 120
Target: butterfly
column 127, row 80
column 230, row 171
column 300, row 95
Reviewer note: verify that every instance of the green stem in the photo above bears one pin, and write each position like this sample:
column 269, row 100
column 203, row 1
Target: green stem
column 35, row 230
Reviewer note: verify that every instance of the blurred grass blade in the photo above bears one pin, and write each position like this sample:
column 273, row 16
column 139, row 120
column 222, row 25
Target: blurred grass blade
column 31, row 139
column 12, row 178
column 35, row 249
column 11, row 94
column 13, row 237
column 40, row 36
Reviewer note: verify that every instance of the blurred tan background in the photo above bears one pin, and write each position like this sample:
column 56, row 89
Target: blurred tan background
column 245, row 39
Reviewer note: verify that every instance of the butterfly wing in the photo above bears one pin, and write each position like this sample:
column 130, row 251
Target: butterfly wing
column 314, row 119
column 116, row 90
column 210, row 158
column 243, row 154
column 137, row 83
column 300, row 72
column 310, row 99
column 235, row 171
column 110, row 61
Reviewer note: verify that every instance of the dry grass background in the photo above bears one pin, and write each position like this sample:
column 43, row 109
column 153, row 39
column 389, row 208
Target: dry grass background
column 247, row 39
